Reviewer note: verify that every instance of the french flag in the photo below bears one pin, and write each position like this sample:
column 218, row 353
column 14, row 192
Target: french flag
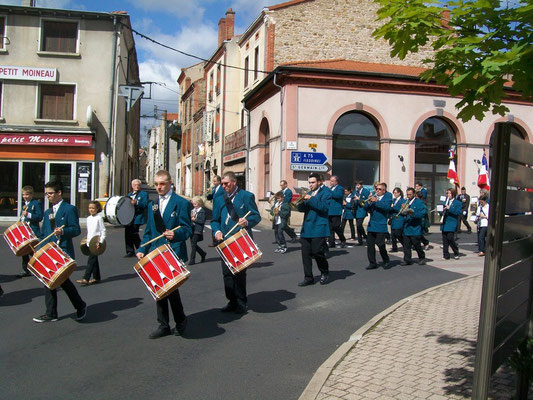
column 452, row 171
column 483, row 175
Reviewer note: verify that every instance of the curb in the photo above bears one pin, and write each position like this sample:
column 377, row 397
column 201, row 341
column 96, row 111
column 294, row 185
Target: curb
column 314, row 386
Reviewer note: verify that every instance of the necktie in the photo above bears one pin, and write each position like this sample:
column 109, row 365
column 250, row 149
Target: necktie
column 229, row 206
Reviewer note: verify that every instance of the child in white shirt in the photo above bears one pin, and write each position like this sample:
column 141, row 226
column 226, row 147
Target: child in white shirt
column 95, row 227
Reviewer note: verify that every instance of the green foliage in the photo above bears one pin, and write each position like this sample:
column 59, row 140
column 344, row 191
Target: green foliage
column 478, row 48
column 522, row 359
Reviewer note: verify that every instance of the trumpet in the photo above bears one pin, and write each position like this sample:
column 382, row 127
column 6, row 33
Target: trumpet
column 368, row 200
column 294, row 204
column 404, row 209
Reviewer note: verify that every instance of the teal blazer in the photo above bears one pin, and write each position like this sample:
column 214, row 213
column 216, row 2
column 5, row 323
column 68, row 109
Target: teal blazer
column 413, row 222
column 360, row 211
column 66, row 215
column 335, row 204
column 35, row 210
column 449, row 222
column 287, row 193
column 379, row 214
column 140, row 207
column 397, row 220
column 243, row 202
column 177, row 213
column 316, row 221
column 349, row 207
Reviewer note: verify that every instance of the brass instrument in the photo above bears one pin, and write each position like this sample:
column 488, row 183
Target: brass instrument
column 368, row 200
column 404, row 209
column 294, row 204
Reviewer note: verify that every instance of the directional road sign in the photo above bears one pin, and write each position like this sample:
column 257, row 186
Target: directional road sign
column 304, row 157
column 309, row 167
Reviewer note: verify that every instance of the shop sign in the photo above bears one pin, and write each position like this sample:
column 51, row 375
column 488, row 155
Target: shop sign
column 234, row 156
column 28, row 73
column 46, row 140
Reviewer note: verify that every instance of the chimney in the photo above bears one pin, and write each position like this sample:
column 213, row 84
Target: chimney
column 445, row 17
column 221, row 31
column 230, row 24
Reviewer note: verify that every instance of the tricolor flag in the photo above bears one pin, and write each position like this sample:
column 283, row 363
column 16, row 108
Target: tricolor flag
column 483, row 174
column 452, row 171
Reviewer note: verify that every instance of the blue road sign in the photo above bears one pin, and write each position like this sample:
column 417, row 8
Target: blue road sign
column 304, row 157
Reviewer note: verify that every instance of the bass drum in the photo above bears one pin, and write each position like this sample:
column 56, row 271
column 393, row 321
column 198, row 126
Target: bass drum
column 118, row 210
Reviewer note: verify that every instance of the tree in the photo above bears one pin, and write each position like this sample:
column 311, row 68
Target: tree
column 480, row 47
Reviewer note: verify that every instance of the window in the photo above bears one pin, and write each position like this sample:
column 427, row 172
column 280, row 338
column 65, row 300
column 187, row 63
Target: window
column 59, row 36
column 2, row 32
column 256, row 63
column 246, row 67
column 57, row 102
column 219, row 73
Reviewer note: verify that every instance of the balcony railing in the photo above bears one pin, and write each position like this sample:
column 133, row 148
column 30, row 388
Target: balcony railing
column 235, row 141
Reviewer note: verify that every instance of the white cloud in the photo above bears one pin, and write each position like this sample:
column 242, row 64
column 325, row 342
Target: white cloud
column 52, row 3
column 180, row 8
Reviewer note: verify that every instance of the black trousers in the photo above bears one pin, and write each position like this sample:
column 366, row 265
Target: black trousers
column 373, row 239
column 289, row 231
column 25, row 261
column 335, row 228
column 360, row 230
column 177, row 309
column 413, row 241
column 448, row 240
column 93, row 268
column 132, row 238
column 234, row 286
column 481, row 238
column 352, row 227
column 50, row 298
column 424, row 240
column 396, row 237
column 464, row 219
column 280, row 238
column 314, row 248
column 195, row 238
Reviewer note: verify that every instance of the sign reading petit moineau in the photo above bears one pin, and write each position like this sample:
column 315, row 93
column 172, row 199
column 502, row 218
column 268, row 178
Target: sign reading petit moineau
column 28, row 73
column 46, row 140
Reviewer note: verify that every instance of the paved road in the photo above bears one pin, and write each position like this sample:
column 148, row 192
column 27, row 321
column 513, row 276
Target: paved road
column 269, row 353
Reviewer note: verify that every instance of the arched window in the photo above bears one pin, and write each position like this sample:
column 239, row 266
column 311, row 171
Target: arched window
column 356, row 150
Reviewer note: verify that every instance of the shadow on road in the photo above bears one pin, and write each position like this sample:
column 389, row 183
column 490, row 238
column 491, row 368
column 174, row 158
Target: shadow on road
column 101, row 312
column 339, row 275
column 8, row 278
column 269, row 301
column 20, row 296
column 204, row 324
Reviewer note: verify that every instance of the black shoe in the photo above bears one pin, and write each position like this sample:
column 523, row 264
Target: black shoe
column 422, row 262
column 406, row 263
column 45, row 318
column 342, row 245
column 306, row 282
column 1, row 292
column 386, row 265
column 159, row 333
column 81, row 313
column 24, row 274
column 324, row 279
column 372, row 266
column 469, row 231
column 203, row 258
column 180, row 328
column 191, row 263
column 240, row 309
column 230, row 307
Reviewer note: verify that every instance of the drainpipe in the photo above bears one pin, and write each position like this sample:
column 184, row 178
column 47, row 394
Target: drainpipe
column 111, row 108
column 247, row 170
column 281, row 127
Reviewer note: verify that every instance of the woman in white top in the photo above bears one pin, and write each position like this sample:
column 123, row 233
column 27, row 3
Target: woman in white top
column 95, row 227
column 482, row 217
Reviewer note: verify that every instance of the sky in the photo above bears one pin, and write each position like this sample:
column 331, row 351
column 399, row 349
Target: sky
column 188, row 25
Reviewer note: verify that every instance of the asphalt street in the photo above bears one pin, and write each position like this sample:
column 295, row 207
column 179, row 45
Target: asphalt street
column 269, row 353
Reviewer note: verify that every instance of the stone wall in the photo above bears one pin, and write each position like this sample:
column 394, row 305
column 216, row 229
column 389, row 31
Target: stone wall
column 332, row 29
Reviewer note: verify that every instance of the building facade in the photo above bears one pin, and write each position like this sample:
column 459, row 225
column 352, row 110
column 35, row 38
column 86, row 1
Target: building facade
column 62, row 116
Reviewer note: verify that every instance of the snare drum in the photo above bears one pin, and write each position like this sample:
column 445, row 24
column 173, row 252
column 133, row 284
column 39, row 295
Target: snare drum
column 162, row 271
column 20, row 238
column 118, row 210
column 239, row 251
column 51, row 265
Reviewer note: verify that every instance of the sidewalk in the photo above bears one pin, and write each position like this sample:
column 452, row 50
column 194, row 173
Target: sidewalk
column 423, row 347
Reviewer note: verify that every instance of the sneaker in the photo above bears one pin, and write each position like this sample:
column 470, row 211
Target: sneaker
column 81, row 313
column 44, row 318
column 455, row 257
column 277, row 250
column 282, row 250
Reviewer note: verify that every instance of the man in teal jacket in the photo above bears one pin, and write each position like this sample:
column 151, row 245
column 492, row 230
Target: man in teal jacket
column 379, row 209
column 229, row 211
column 315, row 230
column 412, row 228
column 361, row 194
column 448, row 227
column 335, row 212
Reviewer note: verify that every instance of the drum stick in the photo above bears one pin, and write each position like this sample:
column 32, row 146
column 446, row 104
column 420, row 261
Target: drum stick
column 160, row 236
column 48, row 237
column 236, row 225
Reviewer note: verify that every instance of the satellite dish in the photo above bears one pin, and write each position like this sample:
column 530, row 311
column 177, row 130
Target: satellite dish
column 89, row 115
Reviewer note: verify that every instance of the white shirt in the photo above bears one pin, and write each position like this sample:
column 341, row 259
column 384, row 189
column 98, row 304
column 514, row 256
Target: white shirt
column 163, row 201
column 483, row 222
column 95, row 226
column 56, row 206
column 277, row 218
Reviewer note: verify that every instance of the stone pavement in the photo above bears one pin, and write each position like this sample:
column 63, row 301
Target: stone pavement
column 423, row 347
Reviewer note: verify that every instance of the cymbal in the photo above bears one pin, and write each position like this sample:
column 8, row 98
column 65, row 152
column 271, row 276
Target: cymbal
column 84, row 248
column 92, row 246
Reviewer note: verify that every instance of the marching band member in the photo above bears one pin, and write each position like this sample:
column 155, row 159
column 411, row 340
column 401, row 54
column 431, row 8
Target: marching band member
column 62, row 220
column 315, row 229
column 464, row 198
column 421, row 194
column 361, row 194
column 166, row 214
column 397, row 219
column 482, row 216
column 95, row 227
column 198, row 222
column 335, row 212
column 280, row 210
column 32, row 213
column 412, row 227
column 378, row 207
column 448, row 227
column 139, row 198
column 348, row 212
column 214, row 193
column 228, row 211
column 287, row 198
